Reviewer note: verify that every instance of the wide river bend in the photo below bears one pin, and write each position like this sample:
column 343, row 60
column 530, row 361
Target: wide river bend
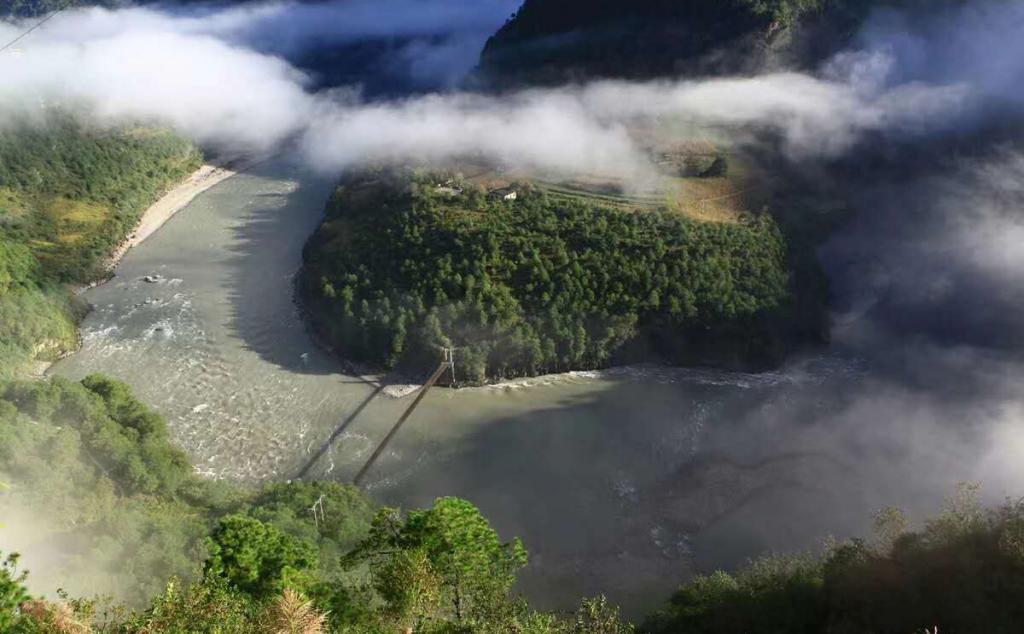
column 622, row 482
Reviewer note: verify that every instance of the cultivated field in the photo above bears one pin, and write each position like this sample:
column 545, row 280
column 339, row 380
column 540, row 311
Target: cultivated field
column 697, row 179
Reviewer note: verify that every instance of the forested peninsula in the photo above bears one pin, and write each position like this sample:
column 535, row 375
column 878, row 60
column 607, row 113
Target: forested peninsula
column 524, row 281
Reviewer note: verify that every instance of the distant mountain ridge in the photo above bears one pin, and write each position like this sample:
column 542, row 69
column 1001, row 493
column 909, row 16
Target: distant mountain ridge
column 550, row 42
column 35, row 8
column 553, row 41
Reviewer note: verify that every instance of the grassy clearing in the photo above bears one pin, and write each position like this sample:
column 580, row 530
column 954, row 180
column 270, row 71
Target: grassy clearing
column 696, row 178
column 73, row 222
column 68, row 211
column 718, row 199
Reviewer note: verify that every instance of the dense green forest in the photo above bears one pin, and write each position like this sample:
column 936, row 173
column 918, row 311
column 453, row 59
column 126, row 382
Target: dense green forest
column 69, row 194
column 554, row 41
column 131, row 511
column 195, row 556
column 539, row 284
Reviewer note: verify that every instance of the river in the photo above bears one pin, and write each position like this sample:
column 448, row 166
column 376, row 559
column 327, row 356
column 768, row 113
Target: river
column 622, row 482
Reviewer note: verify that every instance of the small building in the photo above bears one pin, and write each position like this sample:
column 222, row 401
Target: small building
column 505, row 193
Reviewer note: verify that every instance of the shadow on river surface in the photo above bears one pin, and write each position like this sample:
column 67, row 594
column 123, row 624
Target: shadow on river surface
column 615, row 492
column 266, row 253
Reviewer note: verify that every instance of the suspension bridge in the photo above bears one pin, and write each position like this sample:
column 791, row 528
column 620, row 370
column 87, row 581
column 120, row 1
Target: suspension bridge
column 447, row 364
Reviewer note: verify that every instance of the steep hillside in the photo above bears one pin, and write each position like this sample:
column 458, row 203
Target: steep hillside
column 69, row 195
column 554, row 41
column 93, row 490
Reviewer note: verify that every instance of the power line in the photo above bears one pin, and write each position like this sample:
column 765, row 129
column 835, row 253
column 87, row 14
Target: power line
column 35, row 26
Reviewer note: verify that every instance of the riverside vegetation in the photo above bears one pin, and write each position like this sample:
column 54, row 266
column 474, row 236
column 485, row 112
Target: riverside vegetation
column 69, row 194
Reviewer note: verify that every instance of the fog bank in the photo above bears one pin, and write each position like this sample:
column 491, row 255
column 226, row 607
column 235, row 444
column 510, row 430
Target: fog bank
column 219, row 76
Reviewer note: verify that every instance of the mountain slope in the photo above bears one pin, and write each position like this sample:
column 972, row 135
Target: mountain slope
column 550, row 41
column 553, row 41
column 69, row 194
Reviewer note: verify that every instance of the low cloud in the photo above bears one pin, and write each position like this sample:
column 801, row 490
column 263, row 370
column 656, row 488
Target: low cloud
column 292, row 28
column 218, row 76
column 207, row 89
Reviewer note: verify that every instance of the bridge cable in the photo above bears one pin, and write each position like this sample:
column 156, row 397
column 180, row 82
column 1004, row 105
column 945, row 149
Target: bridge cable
column 405, row 416
column 36, row 26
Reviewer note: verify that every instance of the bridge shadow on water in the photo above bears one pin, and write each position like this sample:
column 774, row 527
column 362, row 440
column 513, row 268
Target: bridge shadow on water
column 608, row 488
column 326, row 446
